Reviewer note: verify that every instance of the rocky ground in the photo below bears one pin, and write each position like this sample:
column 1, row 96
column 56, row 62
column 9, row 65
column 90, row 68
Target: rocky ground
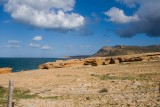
column 126, row 84
column 5, row 70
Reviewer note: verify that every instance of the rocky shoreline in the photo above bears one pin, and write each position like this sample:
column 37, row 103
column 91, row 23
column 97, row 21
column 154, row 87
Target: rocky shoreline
column 95, row 61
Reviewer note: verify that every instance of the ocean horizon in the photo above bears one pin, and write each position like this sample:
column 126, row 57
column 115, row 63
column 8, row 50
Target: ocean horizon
column 23, row 64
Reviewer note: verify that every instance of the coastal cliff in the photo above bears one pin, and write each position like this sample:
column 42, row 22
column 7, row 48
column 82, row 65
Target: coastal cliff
column 5, row 70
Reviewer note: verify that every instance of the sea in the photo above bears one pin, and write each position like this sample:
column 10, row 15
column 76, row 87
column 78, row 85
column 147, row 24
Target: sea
column 23, row 64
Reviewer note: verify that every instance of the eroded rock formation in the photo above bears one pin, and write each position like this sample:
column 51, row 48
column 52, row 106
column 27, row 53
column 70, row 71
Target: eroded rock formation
column 5, row 70
column 96, row 61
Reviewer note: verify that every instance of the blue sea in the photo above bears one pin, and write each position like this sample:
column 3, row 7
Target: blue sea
column 22, row 64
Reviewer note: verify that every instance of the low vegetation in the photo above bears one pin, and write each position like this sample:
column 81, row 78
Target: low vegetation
column 140, row 77
column 110, row 77
column 53, row 97
column 19, row 94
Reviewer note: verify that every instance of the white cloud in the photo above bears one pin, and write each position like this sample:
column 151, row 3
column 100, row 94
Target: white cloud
column 118, row 16
column 48, row 14
column 13, row 42
column 37, row 38
column 11, row 46
column 45, row 47
column 149, row 18
column 34, row 45
column 85, row 46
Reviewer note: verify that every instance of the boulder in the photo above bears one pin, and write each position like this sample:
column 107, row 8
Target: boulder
column 5, row 70
column 116, row 61
column 154, row 58
column 120, row 59
column 107, row 62
column 94, row 61
column 51, row 65
column 112, row 61
column 132, row 59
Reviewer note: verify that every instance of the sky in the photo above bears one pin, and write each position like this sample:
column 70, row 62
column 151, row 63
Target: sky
column 57, row 28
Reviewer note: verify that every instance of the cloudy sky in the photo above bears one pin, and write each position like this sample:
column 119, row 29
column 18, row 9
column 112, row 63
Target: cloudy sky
column 57, row 28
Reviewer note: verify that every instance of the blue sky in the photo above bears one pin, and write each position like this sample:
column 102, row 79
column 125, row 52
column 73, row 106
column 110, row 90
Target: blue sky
column 60, row 28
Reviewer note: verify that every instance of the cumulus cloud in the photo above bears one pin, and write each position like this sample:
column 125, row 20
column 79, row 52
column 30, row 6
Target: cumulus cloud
column 117, row 16
column 149, row 18
column 48, row 14
column 37, row 38
column 34, row 45
column 45, row 47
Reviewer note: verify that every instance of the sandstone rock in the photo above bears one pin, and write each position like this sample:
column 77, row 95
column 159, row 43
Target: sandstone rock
column 135, row 59
column 51, row 65
column 61, row 64
column 90, row 62
column 112, row 61
column 107, row 62
column 73, row 63
column 5, row 70
column 154, row 58
column 120, row 59
column 145, row 59
column 116, row 61
column 132, row 59
column 94, row 62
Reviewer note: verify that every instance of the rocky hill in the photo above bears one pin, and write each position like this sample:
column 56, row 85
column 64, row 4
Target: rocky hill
column 126, row 50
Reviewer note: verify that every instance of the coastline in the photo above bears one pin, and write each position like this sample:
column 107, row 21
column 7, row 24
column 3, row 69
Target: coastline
column 82, row 86
column 23, row 64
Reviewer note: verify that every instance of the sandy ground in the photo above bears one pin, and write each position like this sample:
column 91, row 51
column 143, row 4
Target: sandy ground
column 80, row 87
